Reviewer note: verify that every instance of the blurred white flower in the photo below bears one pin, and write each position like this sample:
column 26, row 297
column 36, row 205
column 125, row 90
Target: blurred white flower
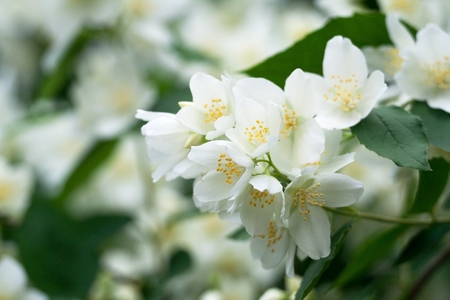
column 108, row 91
column 53, row 146
column 16, row 183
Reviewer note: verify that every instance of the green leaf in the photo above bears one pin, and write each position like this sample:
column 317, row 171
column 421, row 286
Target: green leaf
column 60, row 255
column 393, row 133
column 179, row 263
column 422, row 242
column 307, row 54
column 96, row 156
column 434, row 120
column 368, row 253
column 431, row 186
column 317, row 267
column 239, row 234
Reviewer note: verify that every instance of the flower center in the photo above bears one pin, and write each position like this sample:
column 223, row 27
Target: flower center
column 227, row 166
column 402, row 5
column 5, row 192
column 214, row 111
column 273, row 236
column 309, row 196
column 260, row 199
column 394, row 61
column 438, row 73
column 289, row 120
column 257, row 133
column 343, row 92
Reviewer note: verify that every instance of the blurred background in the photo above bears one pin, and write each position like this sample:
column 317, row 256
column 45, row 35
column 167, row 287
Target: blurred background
column 80, row 215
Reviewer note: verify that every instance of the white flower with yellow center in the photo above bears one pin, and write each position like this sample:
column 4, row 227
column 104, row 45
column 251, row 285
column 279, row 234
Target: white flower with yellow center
column 345, row 92
column 260, row 202
column 257, row 127
column 305, row 198
column 425, row 73
column 168, row 144
column 229, row 171
column 210, row 112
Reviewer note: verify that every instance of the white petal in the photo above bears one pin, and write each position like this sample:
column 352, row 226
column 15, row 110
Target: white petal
column 266, row 182
column 344, row 59
column 312, row 235
column 255, row 213
column 212, row 187
column 259, row 89
column 205, row 87
column 337, row 189
column 194, row 118
column 270, row 254
column 300, row 95
column 371, row 93
column 399, row 34
column 336, row 163
column 309, row 142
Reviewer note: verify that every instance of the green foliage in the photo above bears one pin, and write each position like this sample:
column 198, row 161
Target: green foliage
column 316, row 268
column 393, row 133
column 434, row 120
column 91, row 161
column 422, row 242
column 431, row 185
column 307, row 54
column 59, row 253
column 370, row 252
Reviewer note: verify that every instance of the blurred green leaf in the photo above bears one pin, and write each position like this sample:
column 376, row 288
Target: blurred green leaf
column 393, row 133
column 431, row 185
column 179, row 263
column 307, row 54
column 317, row 267
column 422, row 242
column 93, row 159
column 370, row 252
column 239, row 234
column 434, row 120
column 59, row 253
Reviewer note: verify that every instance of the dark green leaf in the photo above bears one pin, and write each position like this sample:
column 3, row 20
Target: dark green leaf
column 59, row 255
column 94, row 158
column 239, row 235
column 307, row 54
column 393, row 133
column 179, row 262
column 434, row 120
column 431, row 185
column 368, row 253
column 422, row 242
column 317, row 267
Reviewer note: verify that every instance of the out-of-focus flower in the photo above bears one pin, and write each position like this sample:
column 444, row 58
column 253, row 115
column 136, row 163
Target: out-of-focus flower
column 15, row 189
column 52, row 146
column 109, row 90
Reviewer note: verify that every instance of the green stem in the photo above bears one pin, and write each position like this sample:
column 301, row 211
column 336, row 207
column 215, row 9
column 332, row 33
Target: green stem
column 405, row 221
column 277, row 172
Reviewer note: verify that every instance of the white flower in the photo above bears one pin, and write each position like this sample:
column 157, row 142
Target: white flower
column 261, row 201
column 108, row 91
column 229, row 170
column 168, row 144
column 13, row 279
column 305, row 196
column 211, row 112
column 346, row 94
column 257, row 127
column 425, row 73
column 15, row 189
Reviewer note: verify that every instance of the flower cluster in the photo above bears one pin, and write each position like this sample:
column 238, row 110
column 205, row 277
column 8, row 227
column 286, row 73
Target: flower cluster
column 267, row 156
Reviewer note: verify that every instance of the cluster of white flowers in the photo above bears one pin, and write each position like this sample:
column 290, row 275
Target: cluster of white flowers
column 267, row 156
